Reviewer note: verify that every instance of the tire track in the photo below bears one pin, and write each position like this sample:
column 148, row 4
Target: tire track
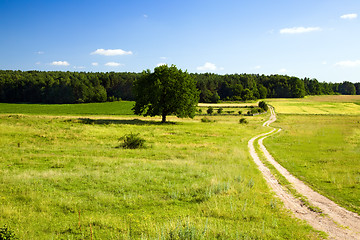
column 338, row 222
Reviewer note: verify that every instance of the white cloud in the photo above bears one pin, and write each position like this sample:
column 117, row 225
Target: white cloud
column 348, row 63
column 79, row 67
column 160, row 64
column 145, row 16
column 283, row 70
column 324, row 62
column 40, row 52
column 257, row 67
column 95, row 64
column 113, row 64
column 349, row 16
column 60, row 63
column 208, row 67
column 111, row 52
column 163, row 58
column 38, row 63
column 299, row 30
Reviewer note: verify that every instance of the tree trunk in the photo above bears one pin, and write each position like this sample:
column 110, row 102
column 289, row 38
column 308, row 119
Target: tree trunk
column 163, row 118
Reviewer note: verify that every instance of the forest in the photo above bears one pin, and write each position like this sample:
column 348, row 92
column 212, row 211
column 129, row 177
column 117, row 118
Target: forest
column 85, row 87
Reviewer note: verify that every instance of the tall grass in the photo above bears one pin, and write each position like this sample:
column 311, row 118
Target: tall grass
column 324, row 152
column 64, row 178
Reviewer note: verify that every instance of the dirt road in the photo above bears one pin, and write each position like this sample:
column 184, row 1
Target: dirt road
column 337, row 222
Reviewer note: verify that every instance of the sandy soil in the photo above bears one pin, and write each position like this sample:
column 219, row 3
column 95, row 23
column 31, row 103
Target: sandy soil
column 337, row 222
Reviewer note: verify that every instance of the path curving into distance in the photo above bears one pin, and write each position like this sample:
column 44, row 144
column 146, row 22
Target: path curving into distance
column 336, row 221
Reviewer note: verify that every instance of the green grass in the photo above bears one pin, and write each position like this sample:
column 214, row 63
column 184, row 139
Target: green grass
column 65, row 178
column 108, row 108
column 322, row 150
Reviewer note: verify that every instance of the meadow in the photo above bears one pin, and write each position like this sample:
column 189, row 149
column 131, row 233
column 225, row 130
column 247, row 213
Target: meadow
column 108, row 108
column 64, row 177
column 321, row 149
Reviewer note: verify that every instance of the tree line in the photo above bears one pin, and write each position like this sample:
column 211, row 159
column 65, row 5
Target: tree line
column 84, row 87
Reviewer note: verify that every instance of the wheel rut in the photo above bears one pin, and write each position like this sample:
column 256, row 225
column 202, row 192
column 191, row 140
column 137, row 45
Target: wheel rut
column 336, row 221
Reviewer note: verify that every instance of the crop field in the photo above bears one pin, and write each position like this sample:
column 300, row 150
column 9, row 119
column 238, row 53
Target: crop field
column 64, row 177
column 328, row 105
column 322, row 150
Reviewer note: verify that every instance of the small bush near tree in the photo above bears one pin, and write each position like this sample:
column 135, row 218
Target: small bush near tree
column 210, row 110
column 220, row 110
column 243, row 121
column 263, row 106
column 206, row 120
column 239, row 112
column 132, row 141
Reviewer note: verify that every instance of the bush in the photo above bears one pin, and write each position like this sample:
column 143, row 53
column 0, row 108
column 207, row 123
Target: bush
column 243, row 121
column 220, row 110
column 263, row 105
column 210, row 110
column 7, row 234
column 132, row 141
column 239, row 112
column 205, row 119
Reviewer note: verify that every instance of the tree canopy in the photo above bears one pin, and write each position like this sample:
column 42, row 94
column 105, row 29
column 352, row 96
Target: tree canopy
column 84, row 87
column 166, row 91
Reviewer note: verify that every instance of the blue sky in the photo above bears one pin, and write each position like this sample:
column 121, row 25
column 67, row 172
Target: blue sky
column 308, row 38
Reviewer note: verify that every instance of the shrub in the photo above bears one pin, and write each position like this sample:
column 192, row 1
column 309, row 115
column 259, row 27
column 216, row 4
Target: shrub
column 205, row 119
column 263, row 105
column 210, row 110
column 132, row 141
column 243, row 121
column 220, row 110
column 199, row 110
column 239, row 112
column 7, row 234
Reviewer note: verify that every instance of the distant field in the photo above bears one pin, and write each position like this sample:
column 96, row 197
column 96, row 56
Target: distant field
column 328, row 105
column 64, row 178
column 108, row 108
column 322, row 150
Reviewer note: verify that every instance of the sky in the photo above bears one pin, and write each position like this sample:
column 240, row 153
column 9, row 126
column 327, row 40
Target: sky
column 303, row 38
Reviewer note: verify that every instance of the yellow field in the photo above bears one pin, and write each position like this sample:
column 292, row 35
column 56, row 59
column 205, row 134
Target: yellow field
column 329, row 105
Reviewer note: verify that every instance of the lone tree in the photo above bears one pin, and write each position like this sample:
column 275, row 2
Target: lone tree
column 166, row 91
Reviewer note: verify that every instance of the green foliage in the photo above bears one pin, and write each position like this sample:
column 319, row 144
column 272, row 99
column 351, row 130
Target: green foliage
column 210, row 110
column 6, row 233
column 243, row 121
column 239, row 112
column 166, row 91
column 263, row 105
column 347, row 88
column 132, row 141
column 206, row 120
column 220, row 110
column 80, row 87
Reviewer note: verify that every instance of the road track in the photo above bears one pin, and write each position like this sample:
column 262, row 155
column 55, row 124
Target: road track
column 336, row 221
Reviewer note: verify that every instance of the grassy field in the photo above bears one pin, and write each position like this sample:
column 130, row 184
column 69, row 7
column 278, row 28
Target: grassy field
column 63, row 177
column 108, row 108
column 322, row 150
column 325, row 105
